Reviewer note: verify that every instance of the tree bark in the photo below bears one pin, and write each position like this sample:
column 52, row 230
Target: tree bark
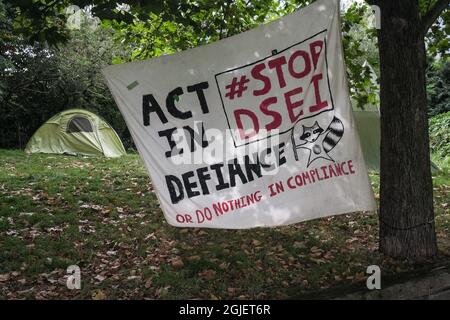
column 406, row 214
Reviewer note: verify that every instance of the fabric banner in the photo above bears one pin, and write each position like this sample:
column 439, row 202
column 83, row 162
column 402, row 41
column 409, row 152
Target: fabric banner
column 253, row 130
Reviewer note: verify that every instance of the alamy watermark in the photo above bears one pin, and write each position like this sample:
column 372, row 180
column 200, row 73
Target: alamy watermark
column 74, row 279
column 197, row 145
column 376, row 17
column 77, row 18
column 374, row 280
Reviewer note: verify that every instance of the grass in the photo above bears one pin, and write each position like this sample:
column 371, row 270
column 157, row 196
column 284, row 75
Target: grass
column 102, row 215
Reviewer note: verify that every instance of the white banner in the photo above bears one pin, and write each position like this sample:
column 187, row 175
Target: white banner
column 253, row 130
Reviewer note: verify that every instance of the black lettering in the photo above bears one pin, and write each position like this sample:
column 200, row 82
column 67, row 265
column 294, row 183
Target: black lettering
column 149, row 104
column 198, row 88
column 196, row 137
column 252, row 167
column 170, row 103
column 202, row 178
column 234, row 170
column 172, row 144
column 222, row 185
column 175, row 196
column 190, row 185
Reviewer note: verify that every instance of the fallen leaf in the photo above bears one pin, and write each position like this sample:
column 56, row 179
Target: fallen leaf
column 231, row 290
column 208, row 274
column 299, row 245
column 256, row 242
column 177, row 262
column 4, row 277
column 98, row 295
column 360, row 276
column 193, row 258
column 148, row 283
column 224, row 265
column 99, row 278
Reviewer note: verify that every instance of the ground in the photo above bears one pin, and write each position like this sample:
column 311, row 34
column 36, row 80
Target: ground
column 102, row 215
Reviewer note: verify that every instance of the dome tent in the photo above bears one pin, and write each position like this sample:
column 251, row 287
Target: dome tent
column 76, row 131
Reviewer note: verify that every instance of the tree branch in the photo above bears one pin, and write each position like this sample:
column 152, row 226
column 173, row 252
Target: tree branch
column 431, row 16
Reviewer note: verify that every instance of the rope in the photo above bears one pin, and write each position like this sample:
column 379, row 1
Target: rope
column 409, row 228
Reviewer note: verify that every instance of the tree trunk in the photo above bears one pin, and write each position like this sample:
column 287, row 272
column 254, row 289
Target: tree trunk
column 406, row 194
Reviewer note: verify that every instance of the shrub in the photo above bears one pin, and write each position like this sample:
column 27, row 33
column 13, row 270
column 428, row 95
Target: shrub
column 440, row 135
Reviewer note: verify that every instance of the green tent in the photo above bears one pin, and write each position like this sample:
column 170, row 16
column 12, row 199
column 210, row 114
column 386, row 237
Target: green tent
column 76, row 131
column 368, row 125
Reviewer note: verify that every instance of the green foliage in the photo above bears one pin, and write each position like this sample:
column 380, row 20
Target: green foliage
column 190, row 24
column 361, row 54
column 438, row 87
column 40, row 20
column 81, row 83
column 40, row 82
column 438, row 37
column 6, row 38
column 151, row 37
column 29, row 91
column 440, row 135
column 146, row 29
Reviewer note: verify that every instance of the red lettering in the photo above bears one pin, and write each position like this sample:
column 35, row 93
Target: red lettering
column 217, row 209
column 338, row 168
column 298, row 180
column 277, row 64
column 343, row 168
column 314, row 52
column 291, row 186
column 200, row 217
column 319, row 103
column 324, row 170
column 274, row 114
column 350, row 166
column 313, row 175
column 256, row 73
column 252, row 116
column 293, row 105
column 307, row 61
column 208, row 213
column 318, row 175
